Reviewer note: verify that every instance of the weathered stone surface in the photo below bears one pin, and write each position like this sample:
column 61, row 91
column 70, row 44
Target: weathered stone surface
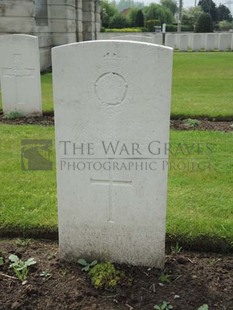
column 63, row 38
column 20, row 74
column 21, row 8
column 113, row 116
column 17, row 24
column 55, row 21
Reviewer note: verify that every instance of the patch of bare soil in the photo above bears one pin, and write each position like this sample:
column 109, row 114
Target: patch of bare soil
column 202, row 124
column 178, row 124
column 193, row 279
column 45, row 120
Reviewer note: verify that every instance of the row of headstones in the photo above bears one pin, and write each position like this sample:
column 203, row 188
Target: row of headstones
column 111, row 117
column 198, row 42
column 181, row 42
column 20, row 67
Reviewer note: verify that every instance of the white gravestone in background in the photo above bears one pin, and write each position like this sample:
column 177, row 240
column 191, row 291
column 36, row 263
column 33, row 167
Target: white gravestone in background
column 157, row 38
column 20, row 74
column 112, row 110
column 211, row 42
column 154, row 38
column 170, row 40
column 225, row 41
column 183, row 44
column 137, row 38
column 196, row 42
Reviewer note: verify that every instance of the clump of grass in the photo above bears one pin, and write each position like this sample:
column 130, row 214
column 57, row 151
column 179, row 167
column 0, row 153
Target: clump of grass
column 191, row 123
column 1, row 260
column 23, row 242
column 12, row 115
column 105, row 275
column 164, row 278
column 176, row 249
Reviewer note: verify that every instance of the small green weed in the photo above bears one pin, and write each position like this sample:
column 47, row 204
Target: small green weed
column 12, row 115
column 21, row 268
column 164, row 278
column 23, row 242
column 86, row 266
column 1, row 261
column 63, row 272
column 192, row 123
column 45, row 274
column 176, row 249
column 164, row 306
column 105, row 275
column 215, row 261
column 203, row 307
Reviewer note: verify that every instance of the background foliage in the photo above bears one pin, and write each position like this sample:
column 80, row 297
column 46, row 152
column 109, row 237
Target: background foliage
column 131, row 13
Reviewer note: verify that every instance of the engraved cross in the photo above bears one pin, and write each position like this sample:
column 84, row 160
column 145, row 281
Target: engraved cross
column 17, row 72
column 111, row 183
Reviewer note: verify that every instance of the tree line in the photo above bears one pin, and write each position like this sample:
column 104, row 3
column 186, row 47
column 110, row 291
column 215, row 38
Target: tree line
column 204, row 17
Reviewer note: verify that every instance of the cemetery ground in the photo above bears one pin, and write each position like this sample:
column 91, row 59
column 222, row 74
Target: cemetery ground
column 189, row 281
column 199, row 265
column 199, row 219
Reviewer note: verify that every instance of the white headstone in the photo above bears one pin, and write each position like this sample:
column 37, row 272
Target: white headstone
column 190, row 40
column 138, row 38
column 196, row 42
column 20, row 74
column 211, row 41
column 225, row 41
column 203, row 40
column 157, row 38
column 112, row 110
column 170, row 40
column 183, row 44
column 216, row 40
column 177, row 40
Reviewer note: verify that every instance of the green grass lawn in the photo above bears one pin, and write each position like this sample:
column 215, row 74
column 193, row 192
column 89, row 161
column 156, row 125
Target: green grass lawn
column 200, row 202
column 47, row 92
column 27, row 198
column 202, row 85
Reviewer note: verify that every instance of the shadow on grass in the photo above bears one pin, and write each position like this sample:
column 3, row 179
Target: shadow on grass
column 200, row 243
